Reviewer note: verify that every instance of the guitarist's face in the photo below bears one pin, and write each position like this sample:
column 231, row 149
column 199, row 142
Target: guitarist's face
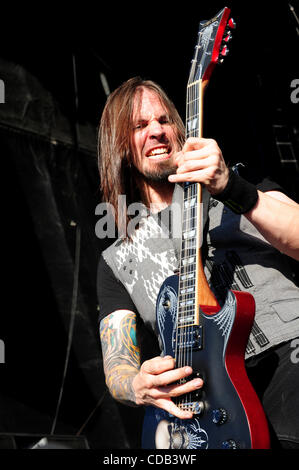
column 154, row 137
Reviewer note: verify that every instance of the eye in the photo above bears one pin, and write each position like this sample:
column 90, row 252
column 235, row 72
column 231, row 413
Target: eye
column 140, row 125
column 164, row 120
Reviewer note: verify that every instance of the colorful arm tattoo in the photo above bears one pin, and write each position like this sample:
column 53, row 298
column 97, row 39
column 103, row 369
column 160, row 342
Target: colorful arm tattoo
column 121, row 355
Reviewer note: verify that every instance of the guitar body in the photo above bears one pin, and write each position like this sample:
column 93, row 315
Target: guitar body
column 228, row 413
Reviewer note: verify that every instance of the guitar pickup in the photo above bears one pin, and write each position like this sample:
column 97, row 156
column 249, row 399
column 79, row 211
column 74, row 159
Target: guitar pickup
column 189, row 337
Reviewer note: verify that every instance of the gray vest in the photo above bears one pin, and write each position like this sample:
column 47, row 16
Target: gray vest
column 238, row 258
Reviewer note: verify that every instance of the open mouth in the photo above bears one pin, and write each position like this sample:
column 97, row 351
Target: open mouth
column 159, row 153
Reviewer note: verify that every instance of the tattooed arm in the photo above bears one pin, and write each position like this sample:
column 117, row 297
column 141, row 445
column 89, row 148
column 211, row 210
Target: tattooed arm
column 155, row 382
column 121, row 355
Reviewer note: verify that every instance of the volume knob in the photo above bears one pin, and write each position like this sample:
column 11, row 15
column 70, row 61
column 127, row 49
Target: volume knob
column 219, row 416
column 229, row 444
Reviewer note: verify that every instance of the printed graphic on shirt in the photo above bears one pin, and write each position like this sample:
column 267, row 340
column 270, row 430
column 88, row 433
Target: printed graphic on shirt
column 142, row 263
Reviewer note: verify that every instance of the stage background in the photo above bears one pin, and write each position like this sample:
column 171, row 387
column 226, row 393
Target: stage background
column 53, row 64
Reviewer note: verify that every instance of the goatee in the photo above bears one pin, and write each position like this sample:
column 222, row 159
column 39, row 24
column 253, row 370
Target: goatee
column 159, row 175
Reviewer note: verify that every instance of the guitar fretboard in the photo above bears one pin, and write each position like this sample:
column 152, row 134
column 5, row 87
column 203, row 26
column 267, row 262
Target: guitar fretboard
column 187, row 281
column 193, row 109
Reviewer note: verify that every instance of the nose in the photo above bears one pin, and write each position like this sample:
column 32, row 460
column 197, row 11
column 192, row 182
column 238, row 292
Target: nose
column 156, row 129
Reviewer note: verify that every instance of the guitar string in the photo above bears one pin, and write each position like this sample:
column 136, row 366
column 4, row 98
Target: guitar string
column 184, row 340
column 194, row 223
column 187, row 336
column 182, row 277
column 187, row 270
column 182, row 273
column 191, row 228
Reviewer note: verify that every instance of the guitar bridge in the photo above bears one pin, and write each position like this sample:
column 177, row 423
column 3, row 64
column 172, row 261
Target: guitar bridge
column 195, row 407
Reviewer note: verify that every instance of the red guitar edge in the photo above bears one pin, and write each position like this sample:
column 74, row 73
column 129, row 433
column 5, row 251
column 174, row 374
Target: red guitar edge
column 234, row 361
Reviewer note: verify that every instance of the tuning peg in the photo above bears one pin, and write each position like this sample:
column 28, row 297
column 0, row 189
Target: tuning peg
column 228, row 37
column 223, row 54
column 224, row 51
column 231, row 24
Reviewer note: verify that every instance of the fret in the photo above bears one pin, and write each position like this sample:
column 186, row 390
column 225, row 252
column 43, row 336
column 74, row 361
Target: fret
column 188, row 253
column 196, row 82
column 190, row 102
column 188, row 269
column 190, row 219
column 191, row 215
column 187, row 272
column 189, row 234
column 181, row 296
column 189, row 227
column 189, row 281
column 187, row 300
column 186, row 311
column 187, row 260
column 187, row 290
column 187, row 276
column 191, row 212
column 192, row 116
column 186, row 303
column 191, row 249
column 186, row 293
column 190, row 202
column 186, row 321
column 192, row 123
column 186, row 314
column 189, row 243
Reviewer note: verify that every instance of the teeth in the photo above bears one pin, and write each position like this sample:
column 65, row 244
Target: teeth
column 158, row 151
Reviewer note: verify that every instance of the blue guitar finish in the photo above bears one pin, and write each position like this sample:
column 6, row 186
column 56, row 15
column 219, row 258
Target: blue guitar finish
column 220, row 420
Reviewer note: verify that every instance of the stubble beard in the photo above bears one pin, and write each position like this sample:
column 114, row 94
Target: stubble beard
column 160, row 173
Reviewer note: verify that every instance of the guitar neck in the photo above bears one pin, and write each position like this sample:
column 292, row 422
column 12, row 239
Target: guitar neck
column 194, row 290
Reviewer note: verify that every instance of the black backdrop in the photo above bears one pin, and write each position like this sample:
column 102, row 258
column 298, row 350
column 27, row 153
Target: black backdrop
column 48, row 60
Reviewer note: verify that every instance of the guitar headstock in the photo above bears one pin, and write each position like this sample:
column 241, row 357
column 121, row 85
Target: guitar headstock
column 212, row 46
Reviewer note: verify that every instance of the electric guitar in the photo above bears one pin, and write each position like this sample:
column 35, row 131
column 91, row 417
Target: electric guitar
column 193, row 328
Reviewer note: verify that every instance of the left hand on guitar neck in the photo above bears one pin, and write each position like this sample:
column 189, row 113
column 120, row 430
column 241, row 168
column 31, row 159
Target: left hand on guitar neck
column 201, row 160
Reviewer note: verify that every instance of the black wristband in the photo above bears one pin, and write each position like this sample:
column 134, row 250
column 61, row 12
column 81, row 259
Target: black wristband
column 238, row 195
